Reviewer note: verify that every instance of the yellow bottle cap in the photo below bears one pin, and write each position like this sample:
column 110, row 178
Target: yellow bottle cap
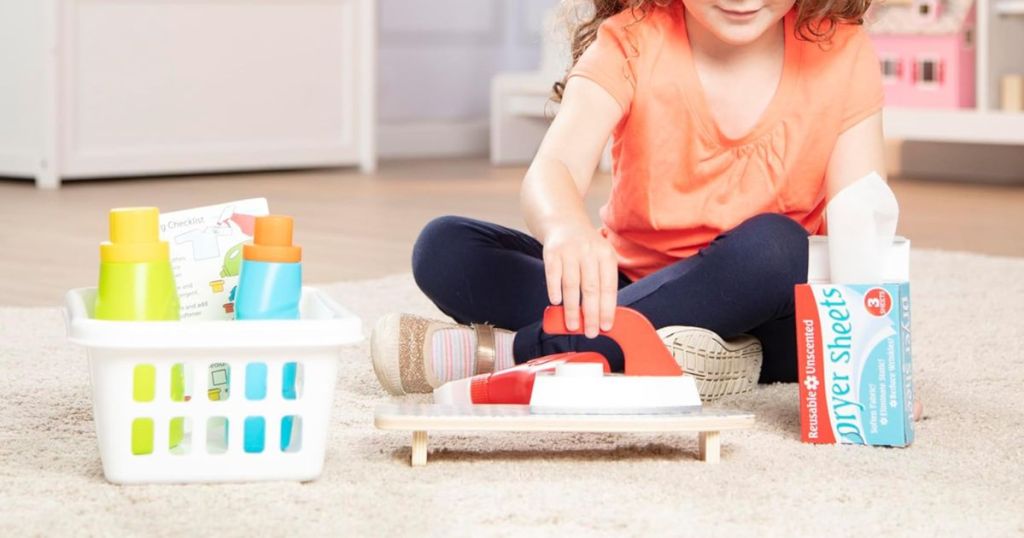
column 134, row 237
column 272, row 241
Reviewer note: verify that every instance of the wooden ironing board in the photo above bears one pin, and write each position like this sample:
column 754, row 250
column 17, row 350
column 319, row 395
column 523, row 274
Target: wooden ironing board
column 422, row 418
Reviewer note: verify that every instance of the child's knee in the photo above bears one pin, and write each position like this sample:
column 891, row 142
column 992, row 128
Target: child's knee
column 780, row 245
column 440, row 230
column 433, row 252
column 776, row 227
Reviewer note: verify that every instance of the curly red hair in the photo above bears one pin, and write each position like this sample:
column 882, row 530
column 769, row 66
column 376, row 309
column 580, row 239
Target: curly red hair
column 816, row 20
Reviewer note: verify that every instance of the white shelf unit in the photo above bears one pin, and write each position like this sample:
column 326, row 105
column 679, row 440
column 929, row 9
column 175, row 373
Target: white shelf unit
column 963, row 126
column 1000, row 51
column 109, row 88
column 1009, row 7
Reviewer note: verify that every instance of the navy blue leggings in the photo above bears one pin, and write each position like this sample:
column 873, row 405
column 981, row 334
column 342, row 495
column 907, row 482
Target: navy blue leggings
column 478, row 272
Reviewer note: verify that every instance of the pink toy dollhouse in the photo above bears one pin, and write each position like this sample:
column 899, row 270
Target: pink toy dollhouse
column 926, row 48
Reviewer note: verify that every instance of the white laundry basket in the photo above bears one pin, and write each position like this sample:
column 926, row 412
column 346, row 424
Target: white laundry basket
column 209, row 420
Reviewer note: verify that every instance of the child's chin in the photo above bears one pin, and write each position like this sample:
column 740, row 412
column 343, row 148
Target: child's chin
column 739, row 34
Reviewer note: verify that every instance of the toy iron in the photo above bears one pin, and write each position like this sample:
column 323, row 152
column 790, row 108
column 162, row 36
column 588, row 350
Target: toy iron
column 580, row 383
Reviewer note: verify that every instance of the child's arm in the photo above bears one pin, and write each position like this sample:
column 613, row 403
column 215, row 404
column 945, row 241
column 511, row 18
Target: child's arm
column 859, row 151
column 579, row 263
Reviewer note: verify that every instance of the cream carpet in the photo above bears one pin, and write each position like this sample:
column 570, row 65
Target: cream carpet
column 962, row 477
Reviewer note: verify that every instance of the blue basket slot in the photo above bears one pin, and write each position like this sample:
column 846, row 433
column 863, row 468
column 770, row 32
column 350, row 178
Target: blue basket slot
column 255, row 381
column 255, row 427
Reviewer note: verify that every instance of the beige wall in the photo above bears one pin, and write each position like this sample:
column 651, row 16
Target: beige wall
column 437, row 58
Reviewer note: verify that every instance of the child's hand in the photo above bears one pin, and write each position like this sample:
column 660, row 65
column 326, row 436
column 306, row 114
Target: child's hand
column 581, row 268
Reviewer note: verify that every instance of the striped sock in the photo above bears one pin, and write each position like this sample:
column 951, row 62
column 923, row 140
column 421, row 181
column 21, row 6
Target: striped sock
column 453, row 352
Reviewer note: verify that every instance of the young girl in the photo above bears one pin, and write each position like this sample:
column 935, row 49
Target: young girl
column 733, row 123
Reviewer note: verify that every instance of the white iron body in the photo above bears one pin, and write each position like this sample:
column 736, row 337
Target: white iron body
column 454, row 393
column 584, row 389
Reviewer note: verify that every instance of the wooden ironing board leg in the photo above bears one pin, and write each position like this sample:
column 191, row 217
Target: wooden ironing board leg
column 419, row 449
column 710, row 447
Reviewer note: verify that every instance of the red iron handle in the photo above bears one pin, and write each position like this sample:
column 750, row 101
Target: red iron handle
column 643, row 352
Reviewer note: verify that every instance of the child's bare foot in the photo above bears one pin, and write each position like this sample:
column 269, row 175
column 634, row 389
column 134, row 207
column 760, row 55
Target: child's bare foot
column 918, row 410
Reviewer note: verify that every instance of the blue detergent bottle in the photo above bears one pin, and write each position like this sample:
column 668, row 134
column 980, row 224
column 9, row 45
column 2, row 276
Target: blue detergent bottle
column 270, row 287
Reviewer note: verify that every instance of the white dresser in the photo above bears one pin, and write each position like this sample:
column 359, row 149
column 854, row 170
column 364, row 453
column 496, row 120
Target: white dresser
column 117, row 88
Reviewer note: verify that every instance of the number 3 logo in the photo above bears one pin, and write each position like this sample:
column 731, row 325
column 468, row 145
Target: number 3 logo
column 877, row 302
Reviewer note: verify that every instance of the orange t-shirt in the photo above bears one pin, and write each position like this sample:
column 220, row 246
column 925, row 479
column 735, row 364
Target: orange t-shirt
column 678, row 181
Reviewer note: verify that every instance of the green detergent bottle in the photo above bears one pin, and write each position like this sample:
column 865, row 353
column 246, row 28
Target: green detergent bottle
column 136, row 278
column 137, row 284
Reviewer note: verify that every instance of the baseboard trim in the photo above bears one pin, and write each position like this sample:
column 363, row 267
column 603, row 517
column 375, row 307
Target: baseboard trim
column 942, row 161
column 463, row 138
column 18, row 164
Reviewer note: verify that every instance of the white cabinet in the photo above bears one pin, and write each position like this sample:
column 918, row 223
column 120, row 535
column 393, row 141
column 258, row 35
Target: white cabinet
column 110, row 88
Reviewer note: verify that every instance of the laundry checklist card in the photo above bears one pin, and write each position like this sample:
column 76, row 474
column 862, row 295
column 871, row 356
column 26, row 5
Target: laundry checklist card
column 206, row 253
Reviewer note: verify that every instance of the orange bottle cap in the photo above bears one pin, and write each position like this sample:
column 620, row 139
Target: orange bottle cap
column 272, row 241
column 134, row 237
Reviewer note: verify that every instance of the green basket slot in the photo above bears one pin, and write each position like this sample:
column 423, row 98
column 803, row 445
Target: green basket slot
column 142, row 436
column 178, row 383
column 144, row 383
